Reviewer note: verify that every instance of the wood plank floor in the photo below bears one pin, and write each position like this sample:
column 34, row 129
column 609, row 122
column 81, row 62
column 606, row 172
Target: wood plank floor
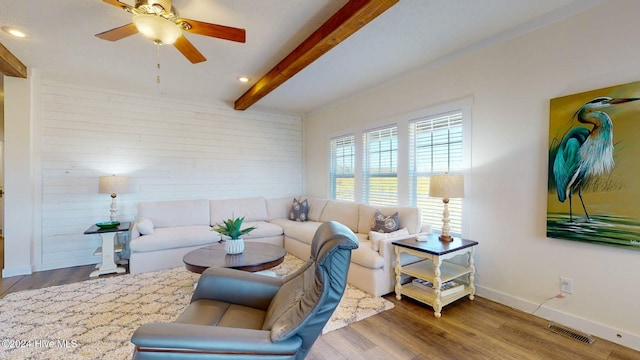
column 479, row 329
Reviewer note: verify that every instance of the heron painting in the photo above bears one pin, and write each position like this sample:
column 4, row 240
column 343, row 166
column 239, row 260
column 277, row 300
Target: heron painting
column 594, row 177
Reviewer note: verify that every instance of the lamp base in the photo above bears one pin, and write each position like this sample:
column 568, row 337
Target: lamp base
column 446, row 238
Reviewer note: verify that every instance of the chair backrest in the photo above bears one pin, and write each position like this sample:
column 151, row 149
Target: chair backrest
column 308, row 297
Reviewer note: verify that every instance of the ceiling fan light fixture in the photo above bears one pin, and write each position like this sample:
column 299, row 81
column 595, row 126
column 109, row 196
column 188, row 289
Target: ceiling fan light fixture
column 157, row 28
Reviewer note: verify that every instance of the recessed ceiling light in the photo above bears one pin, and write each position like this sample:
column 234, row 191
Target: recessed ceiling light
column 243, row 79
column 14, row 32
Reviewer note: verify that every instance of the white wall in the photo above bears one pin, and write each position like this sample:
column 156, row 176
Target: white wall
column 169, row 149
column 511, row 84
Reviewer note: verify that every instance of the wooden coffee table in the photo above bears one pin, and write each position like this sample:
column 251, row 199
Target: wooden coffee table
column 256, row 257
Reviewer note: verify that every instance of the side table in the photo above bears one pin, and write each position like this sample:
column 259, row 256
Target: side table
column 108, row 249
column 435, row 269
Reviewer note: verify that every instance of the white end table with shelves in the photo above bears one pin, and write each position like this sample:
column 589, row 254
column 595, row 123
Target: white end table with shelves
column 108, row 249
column 436, row 269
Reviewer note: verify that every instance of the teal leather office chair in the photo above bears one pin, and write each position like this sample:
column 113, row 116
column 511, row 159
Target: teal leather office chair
column 240, row 316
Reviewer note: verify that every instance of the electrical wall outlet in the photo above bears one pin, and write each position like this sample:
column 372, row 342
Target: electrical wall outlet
column 566, row 285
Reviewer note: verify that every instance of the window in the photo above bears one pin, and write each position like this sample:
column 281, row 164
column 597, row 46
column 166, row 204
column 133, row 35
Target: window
column 436, row 147
column 380, row 173
column 342, row 168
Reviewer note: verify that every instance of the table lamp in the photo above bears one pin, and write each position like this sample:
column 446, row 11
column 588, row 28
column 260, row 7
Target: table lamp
column 113, row 185
column 446, row 187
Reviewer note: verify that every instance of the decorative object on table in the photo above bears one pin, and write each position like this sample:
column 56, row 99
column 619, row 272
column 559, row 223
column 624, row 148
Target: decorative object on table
column 447, row 187
column 113, row 185
column 108, row 224
column 447, row 288
column 385, row 224
column 299, row 210
column 587, row 162
column 232, row 228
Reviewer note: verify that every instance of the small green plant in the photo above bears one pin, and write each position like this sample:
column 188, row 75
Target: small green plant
column 231, row 228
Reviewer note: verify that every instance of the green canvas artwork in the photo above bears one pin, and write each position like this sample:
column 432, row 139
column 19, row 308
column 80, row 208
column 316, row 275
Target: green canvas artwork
column 594, row 174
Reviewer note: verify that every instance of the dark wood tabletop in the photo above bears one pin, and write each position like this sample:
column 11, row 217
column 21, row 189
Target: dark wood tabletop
column 434, row 246
column 256, row 257
column 94, row 229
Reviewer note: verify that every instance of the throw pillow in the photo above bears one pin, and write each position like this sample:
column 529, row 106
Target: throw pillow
column 145, row 226
column 375, row 237
column 385, row 224
column 299, row 210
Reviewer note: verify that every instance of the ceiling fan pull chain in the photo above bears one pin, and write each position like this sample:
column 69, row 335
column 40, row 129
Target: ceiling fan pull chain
column 158, row 62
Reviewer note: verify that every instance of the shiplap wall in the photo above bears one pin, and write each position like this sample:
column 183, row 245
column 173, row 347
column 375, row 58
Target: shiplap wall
column 169, row 149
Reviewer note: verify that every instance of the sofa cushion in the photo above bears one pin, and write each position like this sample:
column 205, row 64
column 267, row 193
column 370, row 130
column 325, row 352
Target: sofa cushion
column 410, row 217
column 345, row 212
column 299, row 210
column 284, row 223
column 302, row 232
column 316, row 206
column 263, row 229
column 385, row 223
column 253, row 209
column 175, row 237
column 278, row 208
column 175, row 213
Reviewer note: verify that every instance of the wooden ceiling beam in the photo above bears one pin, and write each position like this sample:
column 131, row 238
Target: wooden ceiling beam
column 346, row 21
column 10, row 65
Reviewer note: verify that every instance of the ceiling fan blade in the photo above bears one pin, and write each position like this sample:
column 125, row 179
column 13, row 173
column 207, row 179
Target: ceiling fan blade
column 213, row 30
column 118, row 33
column 117, row 3
column 188, row 50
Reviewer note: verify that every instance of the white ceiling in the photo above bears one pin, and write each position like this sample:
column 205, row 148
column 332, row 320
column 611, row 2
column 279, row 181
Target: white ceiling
column 411, row 34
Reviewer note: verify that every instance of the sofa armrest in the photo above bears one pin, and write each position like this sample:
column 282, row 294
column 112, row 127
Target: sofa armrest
column 385, row 248
column 238, row 287
column 134, row 232
column 176, row 339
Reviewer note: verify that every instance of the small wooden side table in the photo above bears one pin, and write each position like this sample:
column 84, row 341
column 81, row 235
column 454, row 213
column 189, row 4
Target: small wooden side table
column 435, row 269
column 107, row 250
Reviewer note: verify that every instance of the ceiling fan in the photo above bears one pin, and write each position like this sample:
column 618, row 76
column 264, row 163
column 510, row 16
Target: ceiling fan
column 158, row 20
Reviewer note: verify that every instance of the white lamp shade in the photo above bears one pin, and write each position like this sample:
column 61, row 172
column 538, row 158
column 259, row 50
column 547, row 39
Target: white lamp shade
column 446, row 186
column 157, row 28
column 113, row 185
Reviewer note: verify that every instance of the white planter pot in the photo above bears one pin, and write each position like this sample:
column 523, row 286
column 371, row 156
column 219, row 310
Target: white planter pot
column 234, row 246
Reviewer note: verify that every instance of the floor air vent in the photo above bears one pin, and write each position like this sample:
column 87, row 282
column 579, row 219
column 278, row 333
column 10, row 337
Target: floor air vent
column 574, row 334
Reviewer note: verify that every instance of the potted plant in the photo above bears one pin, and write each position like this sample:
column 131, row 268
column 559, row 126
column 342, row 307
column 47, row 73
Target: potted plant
column 233, row 229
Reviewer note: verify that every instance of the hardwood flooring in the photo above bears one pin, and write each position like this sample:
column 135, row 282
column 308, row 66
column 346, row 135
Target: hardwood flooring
column 478, row 329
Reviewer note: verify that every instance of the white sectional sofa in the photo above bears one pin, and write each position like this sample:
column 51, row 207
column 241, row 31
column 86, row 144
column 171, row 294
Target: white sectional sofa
column 170, row 229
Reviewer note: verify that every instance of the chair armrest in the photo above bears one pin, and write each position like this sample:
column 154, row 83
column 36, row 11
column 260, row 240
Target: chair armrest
column 175, row 337
column 237, row 287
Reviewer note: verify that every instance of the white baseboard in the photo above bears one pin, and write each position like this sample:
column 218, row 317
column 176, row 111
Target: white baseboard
column 16, row 271
column 584, row 325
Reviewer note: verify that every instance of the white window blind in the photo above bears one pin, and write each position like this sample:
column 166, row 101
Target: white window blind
column 342, row 168
column 436, row 147
column 380, row 173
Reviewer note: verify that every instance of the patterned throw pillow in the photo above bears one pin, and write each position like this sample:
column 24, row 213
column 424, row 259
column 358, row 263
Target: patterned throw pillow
column 299, row 210
column 385, row 224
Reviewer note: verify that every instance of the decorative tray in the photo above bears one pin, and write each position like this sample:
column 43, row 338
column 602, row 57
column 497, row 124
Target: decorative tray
column 108, row 224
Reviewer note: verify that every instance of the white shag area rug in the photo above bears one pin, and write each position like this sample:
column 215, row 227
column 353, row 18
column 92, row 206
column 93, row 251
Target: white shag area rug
column 95, row 319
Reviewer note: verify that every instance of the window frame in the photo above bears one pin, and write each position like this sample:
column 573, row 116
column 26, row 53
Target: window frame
column 334, row 175
column 391, row 155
